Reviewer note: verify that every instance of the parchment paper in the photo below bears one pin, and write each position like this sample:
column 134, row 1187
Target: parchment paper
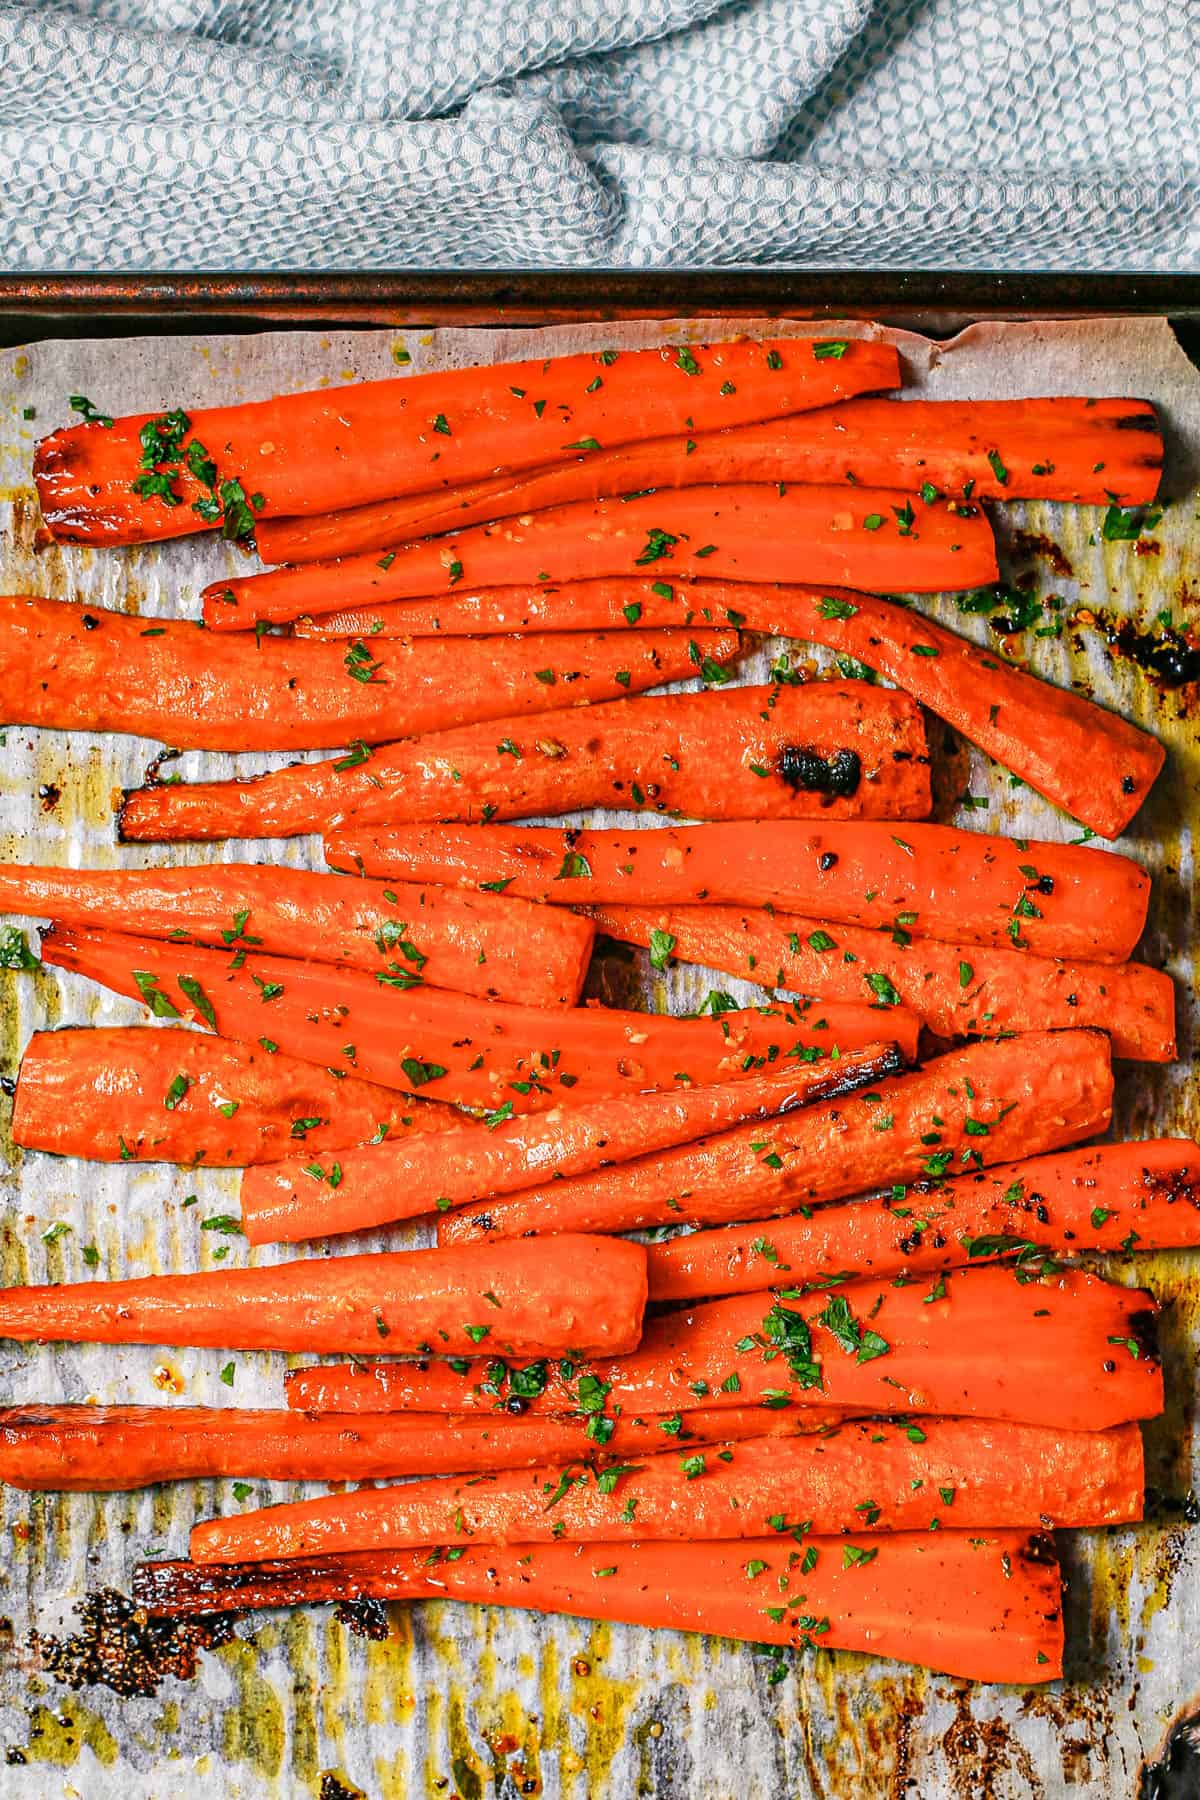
column 463, row 1700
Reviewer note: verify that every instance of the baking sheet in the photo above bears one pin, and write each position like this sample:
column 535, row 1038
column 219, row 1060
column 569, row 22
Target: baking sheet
column 460, row 1700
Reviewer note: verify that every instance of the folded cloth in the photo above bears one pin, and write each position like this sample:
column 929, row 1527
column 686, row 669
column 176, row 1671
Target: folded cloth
column 283, row 134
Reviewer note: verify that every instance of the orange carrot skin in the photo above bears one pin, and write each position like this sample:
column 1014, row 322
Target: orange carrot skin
column 615, row 604
column 124, row 1094
column 484, row 944
column 961, row 886
column 391, row 1181
column 988, row 1608
column 976, row 1106
column 1088, row 452
column 1090, row 762
column 1079, row 1355
column 738, row 532
column 341, row 447
column 833, row 750
column 958, row 1471
column 959, row 990
column 77, row 668
column 446, row 1044
column 1109, row 1197
column 113, row 1449
column 521, row 1300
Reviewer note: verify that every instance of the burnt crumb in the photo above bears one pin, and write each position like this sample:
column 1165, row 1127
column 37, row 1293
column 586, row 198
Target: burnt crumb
column 806, row 771
column 49, row 794
column 89, row 621
column 119, row 1646
column 827, row 861
column 334, row 1788
column 365, row 1618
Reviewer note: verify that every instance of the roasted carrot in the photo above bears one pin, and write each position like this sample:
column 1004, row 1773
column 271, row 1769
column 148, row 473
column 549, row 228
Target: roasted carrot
column 999, row 707
column 1063, row 1349
column 76, row 668
column 616, row 604
column 976, row 1106
column 125, row 1094
column 133, row 480
column 399, row 1181
column 449, row 1046
column 958, row 1472
column 1143, row 1196
column 521, row 1301
column 959, row 990
column 102, row 1449
column 403, row 932
column 988, row 1608
column 1093, row 451
column 870, row 538
column 958, row 886
column 1090, row 762
column 828, row 749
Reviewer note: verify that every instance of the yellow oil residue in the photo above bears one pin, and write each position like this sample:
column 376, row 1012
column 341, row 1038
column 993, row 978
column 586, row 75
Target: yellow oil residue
column 167, row 1379
column 59, row 1737
column 297, row 1637
column 386, row 1693
column 252, row 1730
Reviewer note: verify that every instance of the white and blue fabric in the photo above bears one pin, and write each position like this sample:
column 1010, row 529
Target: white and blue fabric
column 375, row 134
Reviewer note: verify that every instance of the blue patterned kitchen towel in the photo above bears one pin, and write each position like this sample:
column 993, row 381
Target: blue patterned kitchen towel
column 371, row 134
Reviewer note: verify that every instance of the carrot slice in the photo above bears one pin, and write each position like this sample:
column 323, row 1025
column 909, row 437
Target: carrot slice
column 77, row 668
column 1078, row 1353
column 342, row 446
column 870, row 538
column 521, row 1300
column 1090, row 451
column 957, row 886
column 956, row 1472
column 829, row 749
column 959, row 990
column 113, row 1449
column 1143, row 1196
column 483, row 943
column 497, row 1056
column 980, row 1105
column 616, row 604
column 400, row 1180
column 124, row 1094
column 988, row 1608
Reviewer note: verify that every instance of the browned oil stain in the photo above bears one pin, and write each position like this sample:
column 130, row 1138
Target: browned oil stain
column 1038, row 547
column 979, row 1752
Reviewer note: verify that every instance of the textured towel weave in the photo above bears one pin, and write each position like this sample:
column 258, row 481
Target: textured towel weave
column 276, row 134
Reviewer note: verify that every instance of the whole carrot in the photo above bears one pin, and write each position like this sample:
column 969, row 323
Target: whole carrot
column 406, row 933
column 1110, row 1197
column 133, row 480
column 980, row 1105
column 828, row 749
column 77, row 668
column 871, row 538
column 935, row 881
column 125, row 1094
column 499, row 1057
column 1078, row 1354
column 1088, row 761
column 113, row 1449
column 399, row 1180
column 1090, row 451
column 959, row 990
column 988, row 1608
column 521, row 1301
column 959, row 1472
